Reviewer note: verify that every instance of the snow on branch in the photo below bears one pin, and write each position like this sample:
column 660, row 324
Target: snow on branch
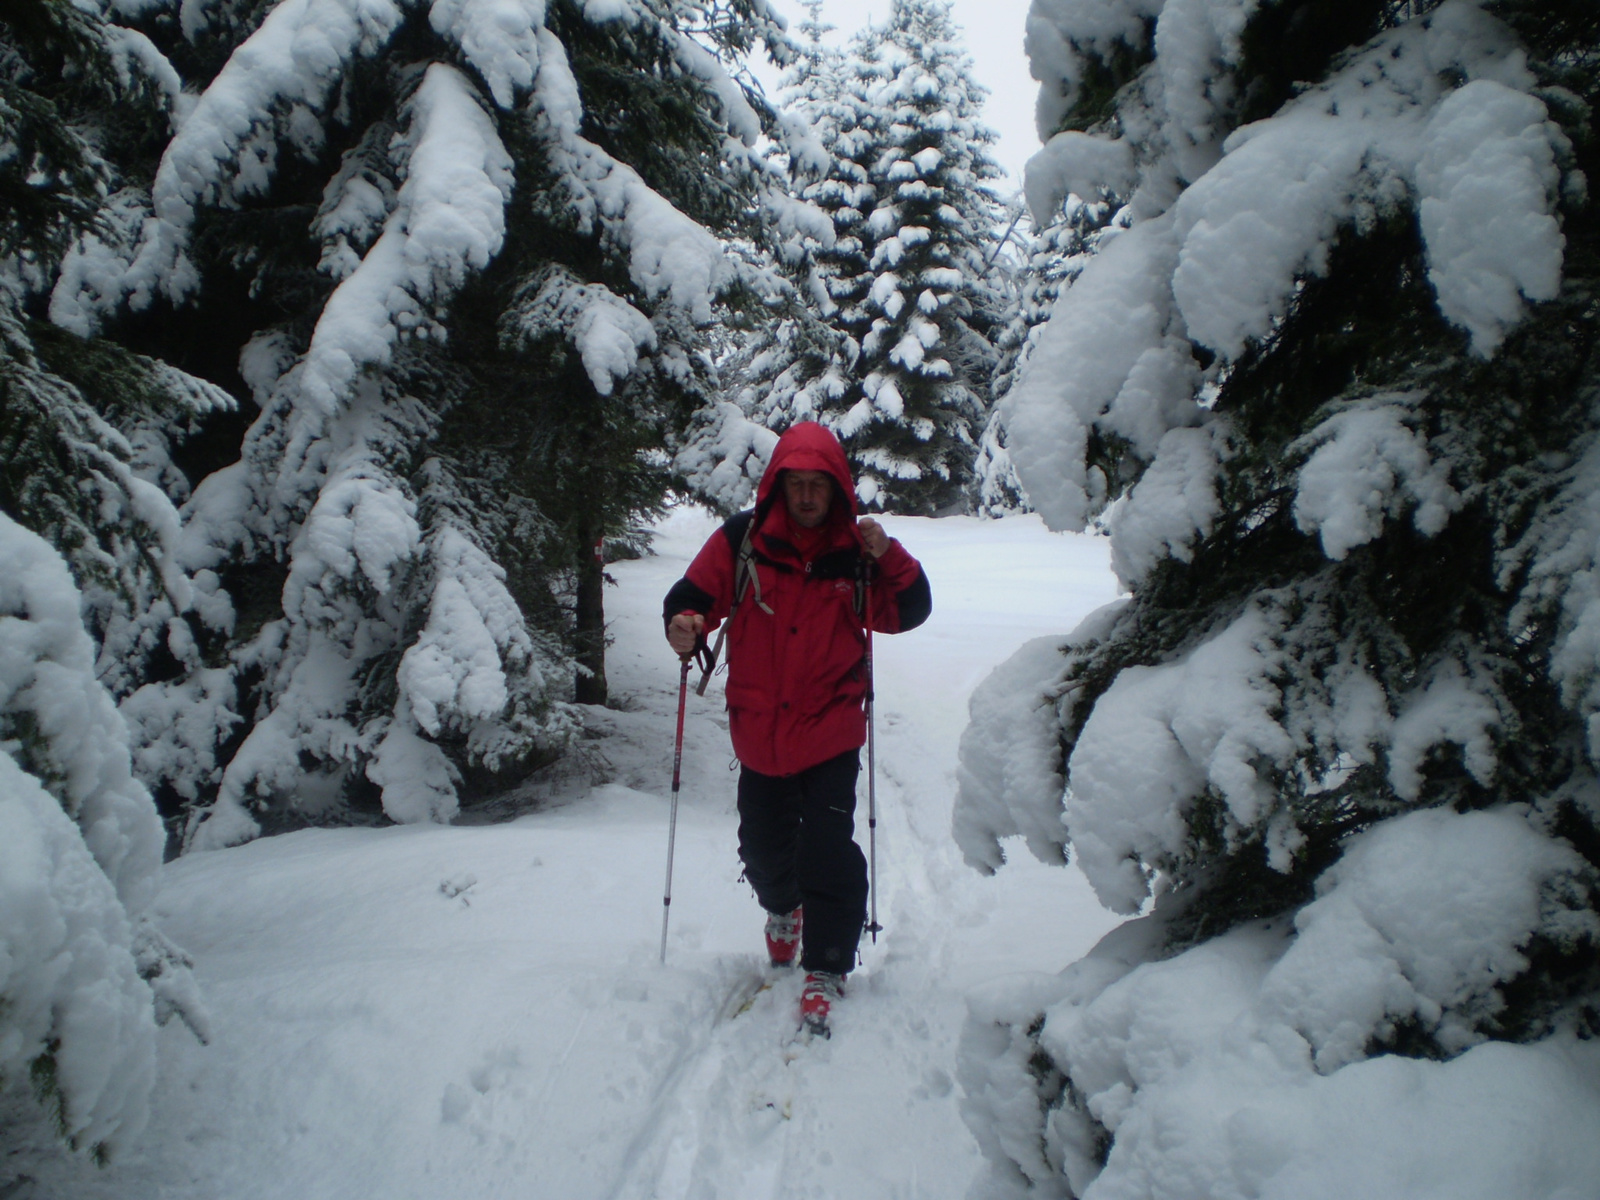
column 454, row 675
column 1367, row 465
column 417, row 779
column 1061, row 32
column 449, row 218
column 704, row 66
column 226, row 141
column 127, row 258
column 356, row 203
column 1488, row 181
column 131, row 49
column 1011, row 776
column 224, row 146
column 601, row 12
column 1196, row 44
column 1481, row 158
column 668, row 253
column 1174, row 505
column 1076, row 163
column 1561, row 556
column 294, row 58
column 1220, row 264
column 73, row 1009
column 1437, row 907
column 498, row 37
column 464, row 674
column 1118, row 314
column 361, row 521
column 724, row 456
column 57, row 717
column 134, row 9
column 605, row 329
column 454, row 672
column 1212, row 720
column 1157, row 739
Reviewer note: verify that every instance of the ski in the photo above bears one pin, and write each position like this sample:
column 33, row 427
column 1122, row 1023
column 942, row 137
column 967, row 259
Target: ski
column 810, row 1030
column 744, row 995
column 750, row 999
column 800, row 1040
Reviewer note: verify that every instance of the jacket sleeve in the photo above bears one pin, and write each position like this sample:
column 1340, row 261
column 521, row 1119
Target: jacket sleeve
column 707, row 587
column 901, row 597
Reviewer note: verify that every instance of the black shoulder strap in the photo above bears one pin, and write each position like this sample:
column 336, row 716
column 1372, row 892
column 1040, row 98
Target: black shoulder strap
column 866, row 568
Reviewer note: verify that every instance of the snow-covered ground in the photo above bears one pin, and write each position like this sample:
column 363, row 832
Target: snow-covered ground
column 477, row 1011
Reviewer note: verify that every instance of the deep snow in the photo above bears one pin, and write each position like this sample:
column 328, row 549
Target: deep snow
column 477, row 1010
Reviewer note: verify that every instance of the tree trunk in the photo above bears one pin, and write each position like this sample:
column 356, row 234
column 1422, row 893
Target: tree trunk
column 590, row 632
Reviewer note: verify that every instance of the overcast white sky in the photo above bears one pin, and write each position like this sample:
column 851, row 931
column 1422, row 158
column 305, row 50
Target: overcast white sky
column 993, row 30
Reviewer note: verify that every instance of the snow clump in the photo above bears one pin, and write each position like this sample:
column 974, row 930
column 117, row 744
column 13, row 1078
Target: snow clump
column 1213, row 721
column 1011, row 772
column 1219, row 263
column 1368, row 464
column 1240, row 1067
column 725, row 456
column 80, row 849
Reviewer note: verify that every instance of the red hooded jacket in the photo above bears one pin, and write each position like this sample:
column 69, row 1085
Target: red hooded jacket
column 797, row 679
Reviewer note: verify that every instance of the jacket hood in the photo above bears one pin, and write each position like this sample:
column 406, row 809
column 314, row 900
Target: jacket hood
column 808, row 446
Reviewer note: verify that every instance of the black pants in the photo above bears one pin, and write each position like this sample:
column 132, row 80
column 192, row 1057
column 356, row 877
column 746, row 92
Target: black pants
column 796, row 839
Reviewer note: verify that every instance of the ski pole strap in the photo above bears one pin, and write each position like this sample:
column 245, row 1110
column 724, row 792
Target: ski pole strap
column 705, row 657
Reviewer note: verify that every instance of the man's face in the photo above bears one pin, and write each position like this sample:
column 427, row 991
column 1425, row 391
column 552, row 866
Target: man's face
column 808, row 495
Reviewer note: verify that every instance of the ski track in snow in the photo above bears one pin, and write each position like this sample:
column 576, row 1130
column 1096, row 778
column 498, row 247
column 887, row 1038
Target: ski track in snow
column 478, row 1011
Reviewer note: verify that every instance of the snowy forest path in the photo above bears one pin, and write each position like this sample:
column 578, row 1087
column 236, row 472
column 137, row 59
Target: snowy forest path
column 477, row 1011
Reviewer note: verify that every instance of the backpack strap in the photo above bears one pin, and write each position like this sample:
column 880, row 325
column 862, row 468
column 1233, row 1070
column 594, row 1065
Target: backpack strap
column 745, row 577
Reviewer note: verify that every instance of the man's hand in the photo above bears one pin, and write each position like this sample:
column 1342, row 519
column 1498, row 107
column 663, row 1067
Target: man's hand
column 872, row 534
column 683, row 634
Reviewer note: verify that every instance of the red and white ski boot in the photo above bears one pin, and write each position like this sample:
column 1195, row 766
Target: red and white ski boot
column 783, row 938
column 821, row 991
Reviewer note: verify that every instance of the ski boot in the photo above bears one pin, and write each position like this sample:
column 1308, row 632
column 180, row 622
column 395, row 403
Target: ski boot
column 783, row 938
column 822, row 990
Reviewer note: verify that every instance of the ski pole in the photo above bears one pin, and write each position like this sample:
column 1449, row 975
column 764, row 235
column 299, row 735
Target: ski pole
column 872, row 783
column 672, row 820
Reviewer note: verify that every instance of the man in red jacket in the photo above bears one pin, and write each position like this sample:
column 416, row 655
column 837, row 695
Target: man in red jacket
column 802, row 579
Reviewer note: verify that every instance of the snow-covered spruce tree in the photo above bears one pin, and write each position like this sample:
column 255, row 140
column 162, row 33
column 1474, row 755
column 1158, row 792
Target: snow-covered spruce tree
column 916, row 222
column 1334, row 389
column 885, row 335
column 460, row 252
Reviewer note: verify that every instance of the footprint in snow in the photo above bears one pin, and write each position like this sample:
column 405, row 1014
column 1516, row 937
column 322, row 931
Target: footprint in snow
column 457, row 887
